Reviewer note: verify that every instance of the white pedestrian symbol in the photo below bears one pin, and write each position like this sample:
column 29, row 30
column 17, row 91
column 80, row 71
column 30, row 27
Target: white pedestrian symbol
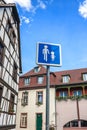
column 52, row 55
column 45, row 52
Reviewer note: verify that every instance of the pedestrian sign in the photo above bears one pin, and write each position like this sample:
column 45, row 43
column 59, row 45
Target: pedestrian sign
column 48, row 54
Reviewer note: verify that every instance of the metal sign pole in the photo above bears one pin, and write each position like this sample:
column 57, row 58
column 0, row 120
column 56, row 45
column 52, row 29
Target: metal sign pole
column 47, row 97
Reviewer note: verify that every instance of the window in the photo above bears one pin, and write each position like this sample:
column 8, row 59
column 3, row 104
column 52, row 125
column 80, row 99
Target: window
column 84, row 77
column 76, row 123
column 40, row 80
column 1, row 52
column 77, row 93
column 83, row 123
column 40, row 97
column 66, row 79
column 23, row 120
column 12, row 36
column 8, row 27
column 10, row 30
column 0, row 93
column 15, row 72
column 63, row 93
column 27, row 81
column 11, row 104
column 24, row 100
column 37, row 69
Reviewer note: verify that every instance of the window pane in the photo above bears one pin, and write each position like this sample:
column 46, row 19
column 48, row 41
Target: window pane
column 0, row 94
column 1, row 52
column 84, row 77
column 77, row 93
column 83, row 123
column 66, row 79
column 40, row 80
column 24, row 100
column 27, row 81
column 15, row 72
column 23, row 120
column 11, row 104
column 40, row 97
column 63, row 93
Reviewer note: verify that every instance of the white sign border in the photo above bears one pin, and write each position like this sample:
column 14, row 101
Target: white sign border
column 47, row 64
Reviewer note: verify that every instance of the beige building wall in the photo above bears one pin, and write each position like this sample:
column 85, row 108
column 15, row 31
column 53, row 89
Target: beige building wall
column 32, row 109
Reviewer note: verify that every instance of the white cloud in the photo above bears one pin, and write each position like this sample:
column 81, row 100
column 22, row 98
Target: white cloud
column 83, row 9
column 25, row 20
column 23, row 3
column 41, row 4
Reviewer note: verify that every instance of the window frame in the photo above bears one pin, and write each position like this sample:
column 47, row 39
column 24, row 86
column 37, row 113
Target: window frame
column 63, row 93
column 65, row 78
column 15, row 69
column 24, row 100
column 10, row 31
column 76, row 93
column 1, row 52
column 40, row 79
column 37, row 69
column 26, row 81
column 84, row 76
column 23, row 120
column 1, row 92
column 11, row 103
column 39, row 97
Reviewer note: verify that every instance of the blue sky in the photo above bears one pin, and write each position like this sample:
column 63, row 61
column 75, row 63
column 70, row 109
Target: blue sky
column 53, row 21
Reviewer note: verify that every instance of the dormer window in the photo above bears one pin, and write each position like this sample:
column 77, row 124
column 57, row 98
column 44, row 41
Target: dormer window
column 40, row 79
column 27, row 81
column 37, row 69
column 66, row 78
column 84, row 77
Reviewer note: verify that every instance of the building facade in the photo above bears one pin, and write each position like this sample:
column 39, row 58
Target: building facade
column 31, row 111
column 68, row 100
column 10, row 64
column 71, row 99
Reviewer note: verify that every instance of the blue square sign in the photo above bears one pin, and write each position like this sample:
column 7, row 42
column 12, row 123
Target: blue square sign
column 48, row 54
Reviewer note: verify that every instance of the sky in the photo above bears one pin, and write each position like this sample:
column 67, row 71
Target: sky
column 61, row 22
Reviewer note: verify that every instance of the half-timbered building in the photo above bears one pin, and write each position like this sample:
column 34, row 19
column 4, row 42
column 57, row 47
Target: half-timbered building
column 10, row 64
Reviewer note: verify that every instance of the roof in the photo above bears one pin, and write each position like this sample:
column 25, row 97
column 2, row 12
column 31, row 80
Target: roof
column 14, row 10
column 75, row 76
column 33, row 73
column 33, row 78
column 55, row 78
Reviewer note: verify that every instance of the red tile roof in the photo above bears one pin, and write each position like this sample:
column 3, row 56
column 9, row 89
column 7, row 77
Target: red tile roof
column 75, row 76
column 33, row 78
column 55, row 78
